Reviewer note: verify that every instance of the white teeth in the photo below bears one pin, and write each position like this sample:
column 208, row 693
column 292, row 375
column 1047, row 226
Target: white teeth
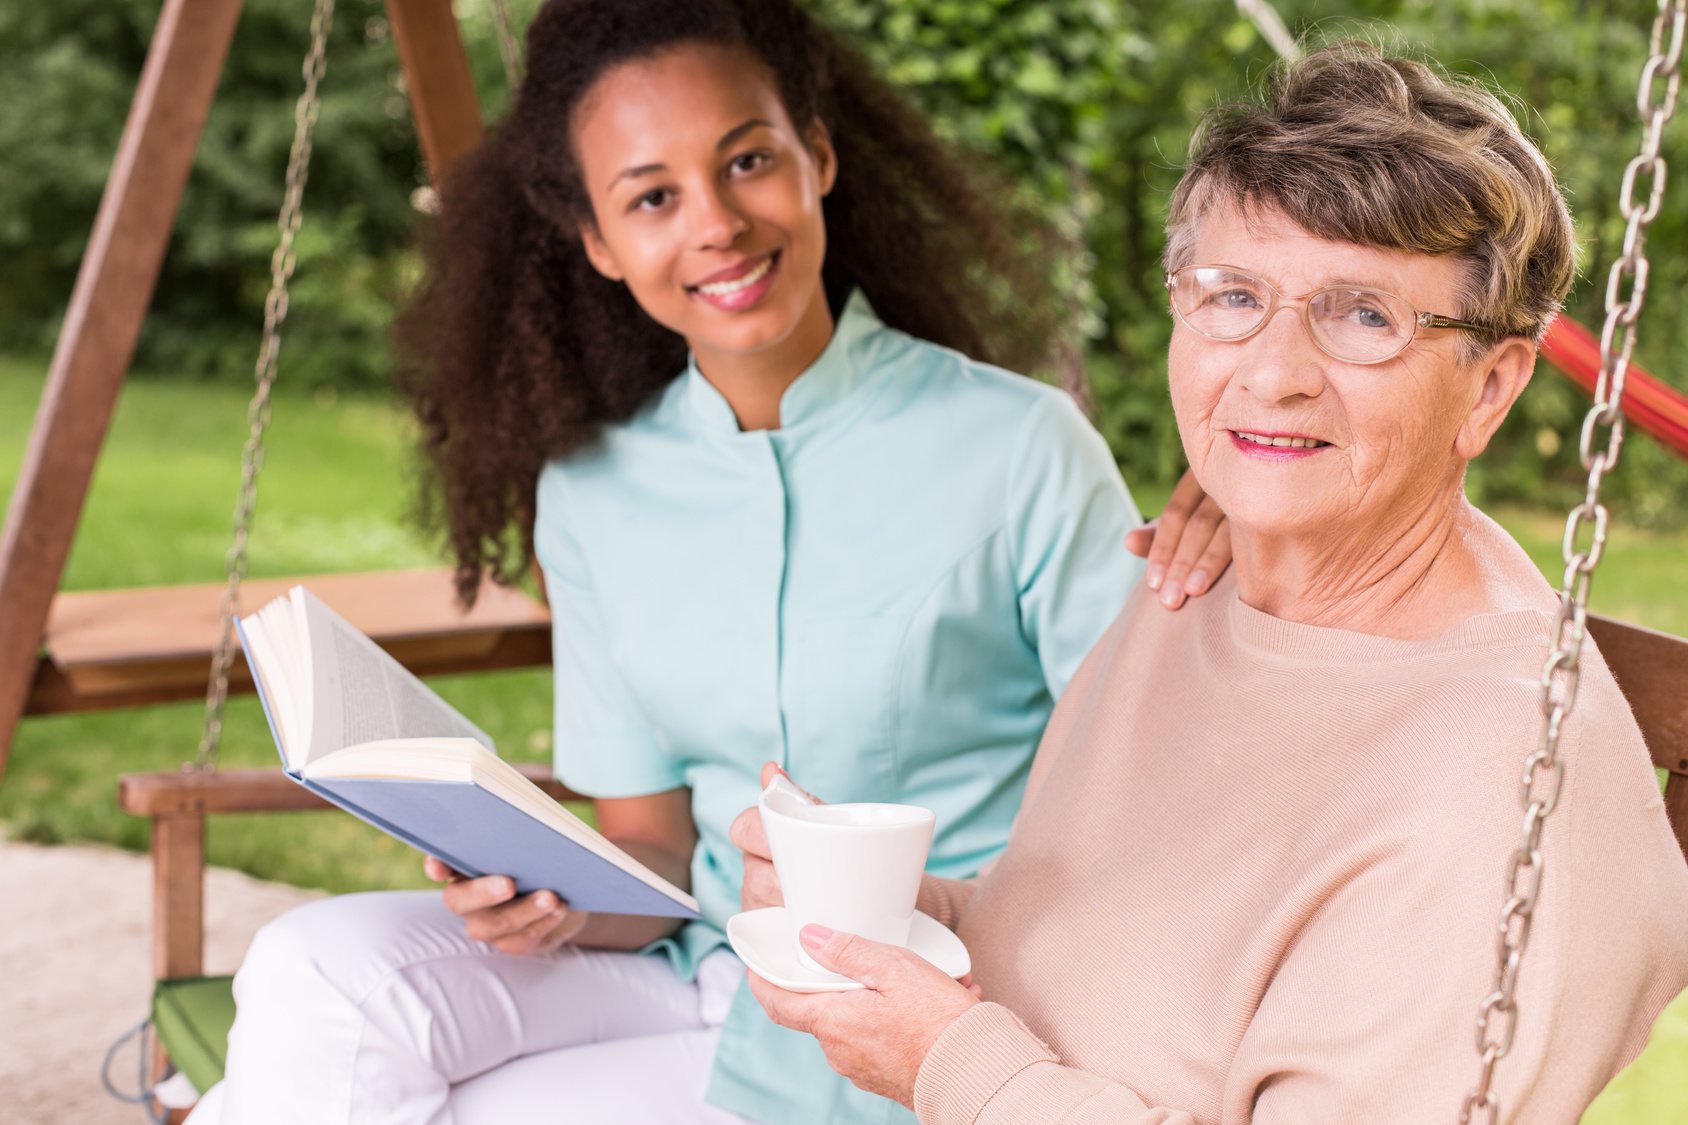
column 722, row 288
column 1282, row 442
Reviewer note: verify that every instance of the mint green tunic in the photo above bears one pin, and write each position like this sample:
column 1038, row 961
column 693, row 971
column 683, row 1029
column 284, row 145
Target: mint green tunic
column 885, row 595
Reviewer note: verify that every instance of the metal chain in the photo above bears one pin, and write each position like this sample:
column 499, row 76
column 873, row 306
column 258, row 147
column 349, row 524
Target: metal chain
column 305, row 113
column 1497, row 1016
column 508, row 45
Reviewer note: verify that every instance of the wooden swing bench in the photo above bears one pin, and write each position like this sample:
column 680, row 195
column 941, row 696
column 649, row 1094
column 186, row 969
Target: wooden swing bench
column 124, row 648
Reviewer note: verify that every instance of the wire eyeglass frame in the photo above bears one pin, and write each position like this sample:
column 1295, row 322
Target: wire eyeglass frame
column 1420, row 320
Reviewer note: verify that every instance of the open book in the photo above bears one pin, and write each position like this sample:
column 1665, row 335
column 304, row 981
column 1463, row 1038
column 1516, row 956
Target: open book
column 354, row 726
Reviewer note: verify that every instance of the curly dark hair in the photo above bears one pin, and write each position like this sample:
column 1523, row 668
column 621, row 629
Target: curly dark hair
column 515, row 350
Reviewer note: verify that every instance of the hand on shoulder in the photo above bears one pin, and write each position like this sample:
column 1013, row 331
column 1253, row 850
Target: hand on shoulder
column 1188, row 545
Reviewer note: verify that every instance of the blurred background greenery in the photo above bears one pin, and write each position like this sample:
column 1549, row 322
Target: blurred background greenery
column 1088, row 104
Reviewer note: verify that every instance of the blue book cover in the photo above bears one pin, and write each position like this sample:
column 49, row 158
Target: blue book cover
column 478, row 833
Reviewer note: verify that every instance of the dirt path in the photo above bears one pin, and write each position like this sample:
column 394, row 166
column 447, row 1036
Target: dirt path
column 75, row 932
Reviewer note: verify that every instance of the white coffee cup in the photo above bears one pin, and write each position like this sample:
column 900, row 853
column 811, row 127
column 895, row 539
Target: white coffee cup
column 854, row 868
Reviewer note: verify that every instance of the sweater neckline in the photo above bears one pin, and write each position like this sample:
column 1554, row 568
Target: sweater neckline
column 1270, row 636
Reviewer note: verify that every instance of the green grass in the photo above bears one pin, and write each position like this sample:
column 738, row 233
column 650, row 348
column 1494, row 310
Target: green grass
column 335, row 493
column 1643, row 576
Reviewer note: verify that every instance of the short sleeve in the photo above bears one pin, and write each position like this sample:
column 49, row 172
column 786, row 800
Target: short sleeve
column 1068, row 515
column 603, row 745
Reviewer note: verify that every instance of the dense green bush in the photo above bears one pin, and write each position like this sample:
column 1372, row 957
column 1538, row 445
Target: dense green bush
column 1571, row 67
column 1092, row 103
column 1089, row 104
column 67, row 72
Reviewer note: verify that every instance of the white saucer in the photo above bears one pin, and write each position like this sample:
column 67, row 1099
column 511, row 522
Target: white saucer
column 764, row 941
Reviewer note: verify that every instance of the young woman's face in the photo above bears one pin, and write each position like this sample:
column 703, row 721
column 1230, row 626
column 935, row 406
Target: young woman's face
column 707, row 197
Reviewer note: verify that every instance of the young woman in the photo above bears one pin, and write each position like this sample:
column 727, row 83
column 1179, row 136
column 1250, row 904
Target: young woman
column 707, row 314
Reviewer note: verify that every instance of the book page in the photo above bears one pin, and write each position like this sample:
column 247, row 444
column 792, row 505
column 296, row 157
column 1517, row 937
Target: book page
column 359, row 693
column 264, row 634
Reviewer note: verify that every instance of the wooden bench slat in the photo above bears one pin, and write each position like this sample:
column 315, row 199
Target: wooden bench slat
column 123, row 648
column 1652, row 671
column 193, row 794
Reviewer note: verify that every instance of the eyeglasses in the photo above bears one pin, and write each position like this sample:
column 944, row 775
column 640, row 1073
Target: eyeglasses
column 1349, row 323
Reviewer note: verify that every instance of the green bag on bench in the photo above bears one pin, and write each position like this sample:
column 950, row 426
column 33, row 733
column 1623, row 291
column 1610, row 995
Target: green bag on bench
column 192, row 1018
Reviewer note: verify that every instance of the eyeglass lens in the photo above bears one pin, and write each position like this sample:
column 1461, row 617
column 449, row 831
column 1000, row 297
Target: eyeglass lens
column 1360, row 325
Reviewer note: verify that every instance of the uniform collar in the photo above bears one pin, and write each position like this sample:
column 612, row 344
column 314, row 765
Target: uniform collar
column 836, row 372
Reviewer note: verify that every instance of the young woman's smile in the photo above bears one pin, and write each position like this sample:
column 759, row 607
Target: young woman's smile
column 739, row 287
column 712, row 217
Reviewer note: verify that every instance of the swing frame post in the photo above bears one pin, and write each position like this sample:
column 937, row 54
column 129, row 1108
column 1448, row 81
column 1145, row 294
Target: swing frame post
column 437, row 80
column 113, row 289
column 120, row 270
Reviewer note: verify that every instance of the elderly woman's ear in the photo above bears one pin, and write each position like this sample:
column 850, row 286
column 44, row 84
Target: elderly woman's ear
column 1501, row 375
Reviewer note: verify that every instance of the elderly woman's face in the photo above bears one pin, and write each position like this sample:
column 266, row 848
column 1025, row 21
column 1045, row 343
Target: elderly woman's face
column 1373, row 437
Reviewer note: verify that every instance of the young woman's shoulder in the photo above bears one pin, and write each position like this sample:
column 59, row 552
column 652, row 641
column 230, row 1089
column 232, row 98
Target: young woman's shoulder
column 996, row 413
column 1034, row 422
column 953, row 375
column 662, row 421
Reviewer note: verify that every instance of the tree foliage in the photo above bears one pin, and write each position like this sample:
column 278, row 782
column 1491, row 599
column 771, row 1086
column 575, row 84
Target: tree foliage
column 1088, row 104
column 67, row 72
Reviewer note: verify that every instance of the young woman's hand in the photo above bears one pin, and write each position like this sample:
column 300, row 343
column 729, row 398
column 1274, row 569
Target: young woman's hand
column 493, row 913
column 1188, row 546
column 655, row 829
column 876, row 1037
column 761, row 886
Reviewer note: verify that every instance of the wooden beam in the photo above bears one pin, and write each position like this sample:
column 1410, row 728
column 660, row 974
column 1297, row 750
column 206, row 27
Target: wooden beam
column 54, row 693
column 119, row 269
column 178, row 896
column 1652, row 671
column 437, row 79
column 178, row 910
column 124, row 648
column 187, row 793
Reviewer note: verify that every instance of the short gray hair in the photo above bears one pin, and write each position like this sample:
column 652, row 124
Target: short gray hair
column 1355, row 146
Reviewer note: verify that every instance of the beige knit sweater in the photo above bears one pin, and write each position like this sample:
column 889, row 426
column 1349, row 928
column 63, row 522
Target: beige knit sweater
column 1257, row 872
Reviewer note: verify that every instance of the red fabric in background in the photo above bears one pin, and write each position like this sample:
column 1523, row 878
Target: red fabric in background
column 1656, row 407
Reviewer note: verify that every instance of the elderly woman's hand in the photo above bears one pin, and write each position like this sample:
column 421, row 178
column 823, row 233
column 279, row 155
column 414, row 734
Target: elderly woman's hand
column 1188, row 545
column 876, row 1037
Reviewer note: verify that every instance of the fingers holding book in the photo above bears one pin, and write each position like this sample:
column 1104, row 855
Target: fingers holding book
column 493, row 913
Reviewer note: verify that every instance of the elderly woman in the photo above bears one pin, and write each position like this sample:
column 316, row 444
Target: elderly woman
column 1256, row 871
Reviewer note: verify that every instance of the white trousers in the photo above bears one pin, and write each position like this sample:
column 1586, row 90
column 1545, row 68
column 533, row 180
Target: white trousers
column 378, row 1008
